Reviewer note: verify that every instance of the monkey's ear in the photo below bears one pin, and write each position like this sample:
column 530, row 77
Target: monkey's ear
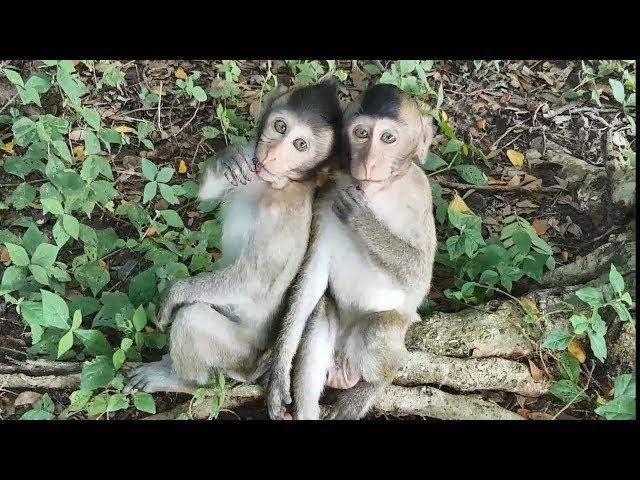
column 272, row 96
column 426, row 137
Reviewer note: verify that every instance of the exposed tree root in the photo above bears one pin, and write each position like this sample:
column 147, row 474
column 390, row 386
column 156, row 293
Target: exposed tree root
column 468, row 375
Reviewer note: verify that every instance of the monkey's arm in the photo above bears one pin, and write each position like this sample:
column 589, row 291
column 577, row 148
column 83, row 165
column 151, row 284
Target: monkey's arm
column 216, row 288
column 406, row 260
column 307, row 291
column 229, row 170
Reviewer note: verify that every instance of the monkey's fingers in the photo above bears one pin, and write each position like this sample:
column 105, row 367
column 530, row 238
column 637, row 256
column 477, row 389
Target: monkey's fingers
column 355, row 195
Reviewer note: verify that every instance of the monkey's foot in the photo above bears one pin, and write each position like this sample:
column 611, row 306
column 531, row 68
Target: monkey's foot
column 156, row 377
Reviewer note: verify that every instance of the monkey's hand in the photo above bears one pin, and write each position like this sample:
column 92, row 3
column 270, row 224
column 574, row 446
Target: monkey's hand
column 351, row 206
column 238, row 167
column 279, row 392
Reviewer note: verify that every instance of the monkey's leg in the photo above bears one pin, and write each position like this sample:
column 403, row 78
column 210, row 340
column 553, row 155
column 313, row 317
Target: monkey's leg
column 201, row 339
column 383, row 354
column 312, row 364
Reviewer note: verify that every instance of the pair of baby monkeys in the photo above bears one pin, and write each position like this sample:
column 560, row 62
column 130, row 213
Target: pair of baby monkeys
column 344, row 269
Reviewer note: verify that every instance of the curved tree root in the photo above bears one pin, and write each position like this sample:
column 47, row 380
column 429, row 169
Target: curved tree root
column 468, row 375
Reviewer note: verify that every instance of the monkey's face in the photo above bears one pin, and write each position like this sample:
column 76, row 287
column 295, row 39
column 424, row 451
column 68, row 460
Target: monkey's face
column 291, row 145
column 385, row 139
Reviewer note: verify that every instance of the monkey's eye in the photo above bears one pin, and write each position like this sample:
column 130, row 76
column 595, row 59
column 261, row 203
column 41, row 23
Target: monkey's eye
column 388, row 137
column 280, row 126
column 360, row 132
column 300, row 144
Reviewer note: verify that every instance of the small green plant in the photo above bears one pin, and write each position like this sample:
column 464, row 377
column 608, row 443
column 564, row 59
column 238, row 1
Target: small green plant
column 591, row 323
column 410, row 76
column 216, row 393
column 188, row 89
column 158, row 179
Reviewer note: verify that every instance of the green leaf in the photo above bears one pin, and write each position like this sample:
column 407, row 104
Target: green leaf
column 165, row 175
column 434, row 162
column 118, row 401
column 139, row 319
column 13, row 76
column 71, row 225
column 149, row 169
column 126, row 344
column 566, row 391
column 31, row 239
column 142, row 288
column 210, row 132
column 625, row 385
column 92, row 117
column 77, row 320
column 119, row 357
column 471, row 174
column 22, row 197
column 167, row 193
column 569, row 367
column 45, row 255
column 579, row 323
column 557, row 340
column 453, row 145
column 13, row 278
column 617, row 88
column 598, row 345
column 172, row 218
column 590, row 295
column 19, row 256
column 79, row 400
column 40, row 274
column 93, row 276
column 52, row 205
column 199, row 94
column 24, row 131
column 94, row 341
column 59, row 234
column 489, row 277
column 98, row 405
column 616, row 280
column 144, row 402
column 65, row 343
column 621, row 310
column 621, row 408
column 97, row 373
column 91, row 144
column 150, row 190
column 522, row 241
column 55, row 311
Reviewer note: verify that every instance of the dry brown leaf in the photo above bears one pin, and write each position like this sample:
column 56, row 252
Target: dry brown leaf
column 103, row 264
column 515, row 157
column 514, row 182
column 523, row 412
column 124, row 129
column 540, row 416
column 78, row 152
column 565, row 256
column 575, row 349
column 5, row 258
column 151, row 231
column 482, row 123
column 536, row 373
column 181, row 74
column 26, row 398
column 8, row 147
column 504, row 99
column 182, row 167
column 159, row 91
column 540, row 226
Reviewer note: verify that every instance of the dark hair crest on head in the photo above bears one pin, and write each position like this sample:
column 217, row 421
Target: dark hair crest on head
column 316, row 105
column 381, row 101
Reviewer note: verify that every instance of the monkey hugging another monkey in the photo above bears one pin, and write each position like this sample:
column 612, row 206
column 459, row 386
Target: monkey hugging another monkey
column 319, row 289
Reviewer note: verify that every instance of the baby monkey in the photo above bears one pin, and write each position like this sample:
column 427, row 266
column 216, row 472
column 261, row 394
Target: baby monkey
column 372, row 249
column 224, row 319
